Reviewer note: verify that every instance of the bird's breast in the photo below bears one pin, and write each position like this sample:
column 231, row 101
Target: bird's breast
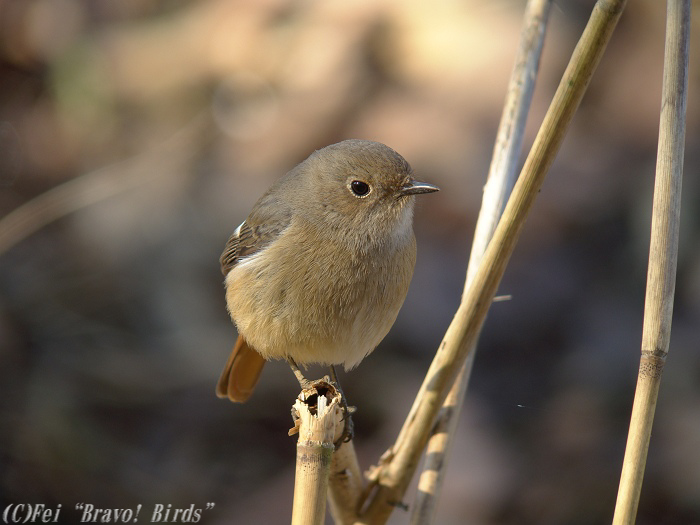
column 318, row 299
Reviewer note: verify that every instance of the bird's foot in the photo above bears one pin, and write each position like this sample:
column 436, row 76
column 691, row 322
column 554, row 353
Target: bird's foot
column 348, row 411
column 330, row 388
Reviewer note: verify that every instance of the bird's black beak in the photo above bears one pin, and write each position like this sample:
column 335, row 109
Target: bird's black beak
column 415, row 187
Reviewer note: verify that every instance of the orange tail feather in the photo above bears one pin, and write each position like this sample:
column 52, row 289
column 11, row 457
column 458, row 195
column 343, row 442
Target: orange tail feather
column 241, row 373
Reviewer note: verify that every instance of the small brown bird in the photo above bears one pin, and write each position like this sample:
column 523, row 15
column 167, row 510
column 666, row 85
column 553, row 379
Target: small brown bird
column 318, row 271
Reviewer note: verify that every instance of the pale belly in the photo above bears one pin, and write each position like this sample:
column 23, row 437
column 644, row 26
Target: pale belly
column 330, row 309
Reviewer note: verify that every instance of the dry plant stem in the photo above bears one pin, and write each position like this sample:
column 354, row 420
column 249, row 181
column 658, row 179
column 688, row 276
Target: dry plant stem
column 101, row 184
column 398, row 464
column 345, row 485
column 499, row 183
column 661, row 276
column 317, row 431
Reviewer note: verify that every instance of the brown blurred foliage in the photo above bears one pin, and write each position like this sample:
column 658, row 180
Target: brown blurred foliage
column 158, row 123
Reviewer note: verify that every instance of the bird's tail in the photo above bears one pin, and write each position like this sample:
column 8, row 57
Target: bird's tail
column 241, row 373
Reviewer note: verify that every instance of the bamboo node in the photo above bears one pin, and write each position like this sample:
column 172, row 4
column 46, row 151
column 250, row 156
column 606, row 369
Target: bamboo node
column 651, row 365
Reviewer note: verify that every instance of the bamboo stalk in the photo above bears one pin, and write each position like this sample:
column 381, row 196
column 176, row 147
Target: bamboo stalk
column 345, row 485
column 663, row 252
column 398, row 464
column 499, row 183
column 319, row 417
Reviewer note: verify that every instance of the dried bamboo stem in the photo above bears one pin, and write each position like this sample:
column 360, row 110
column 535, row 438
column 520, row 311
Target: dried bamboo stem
column 499, row 183
column 319, row 415
column 345, row 485
column 663, row 251
column 398, row 464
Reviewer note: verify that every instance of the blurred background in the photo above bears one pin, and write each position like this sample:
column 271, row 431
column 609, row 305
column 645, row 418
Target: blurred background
column 140, row 133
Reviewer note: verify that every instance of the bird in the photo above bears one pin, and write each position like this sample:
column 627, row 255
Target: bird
column 318, row 271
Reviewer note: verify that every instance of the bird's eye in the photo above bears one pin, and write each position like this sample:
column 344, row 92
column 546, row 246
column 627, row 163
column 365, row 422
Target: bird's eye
column 359, row 188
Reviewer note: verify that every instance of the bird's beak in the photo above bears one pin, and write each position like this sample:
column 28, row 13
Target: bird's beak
column 415, row 187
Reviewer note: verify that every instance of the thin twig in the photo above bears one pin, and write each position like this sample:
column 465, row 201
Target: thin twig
column 663, row 253
column 398, row 464
column 499, row 183
column 104, row 183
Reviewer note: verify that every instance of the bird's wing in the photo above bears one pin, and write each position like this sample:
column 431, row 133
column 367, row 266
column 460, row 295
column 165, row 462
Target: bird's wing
column 262, row 226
